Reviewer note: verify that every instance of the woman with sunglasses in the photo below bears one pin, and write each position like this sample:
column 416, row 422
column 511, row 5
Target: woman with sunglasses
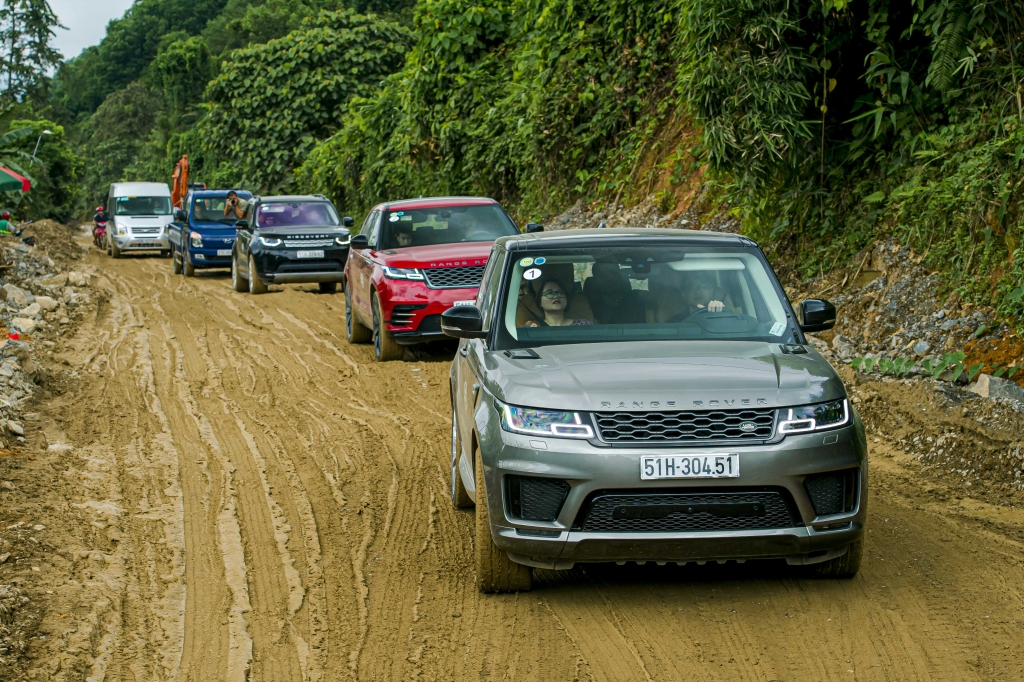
column 552, row 301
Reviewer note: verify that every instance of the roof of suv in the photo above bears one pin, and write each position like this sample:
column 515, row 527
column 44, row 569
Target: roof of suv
column 601, row 236
column 294, row 197
column 428, row 202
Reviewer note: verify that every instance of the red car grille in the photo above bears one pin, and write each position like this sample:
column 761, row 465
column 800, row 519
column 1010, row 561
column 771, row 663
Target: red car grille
column 454, row 278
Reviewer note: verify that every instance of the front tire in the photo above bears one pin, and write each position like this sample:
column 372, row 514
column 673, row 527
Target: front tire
column 237, row 283
column 460, row 498
column 328, row 287
column 842, row 567
column 495, row 572
column 256, row 285
column 355, row 331
column 115, row 250
column 187, row 268
column 384, row 345
column 175, row 263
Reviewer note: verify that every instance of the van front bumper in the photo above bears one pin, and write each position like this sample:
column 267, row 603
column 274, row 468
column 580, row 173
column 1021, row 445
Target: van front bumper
column 157, row 242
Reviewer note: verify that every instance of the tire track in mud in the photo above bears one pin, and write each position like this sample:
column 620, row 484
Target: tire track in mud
column 319, row 543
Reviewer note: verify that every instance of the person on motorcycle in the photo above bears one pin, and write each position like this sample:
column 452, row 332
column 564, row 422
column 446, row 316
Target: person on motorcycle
column 5, row 223
column 99, row 217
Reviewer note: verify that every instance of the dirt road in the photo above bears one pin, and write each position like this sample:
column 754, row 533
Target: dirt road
column 262, row 501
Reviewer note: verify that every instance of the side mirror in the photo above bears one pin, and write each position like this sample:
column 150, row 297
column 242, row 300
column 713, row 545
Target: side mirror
column 534, row 227
column 241, row 224
column 347, row 221
column 463, row 322
column 360, row 241
column 817, row 315
column 179, row 215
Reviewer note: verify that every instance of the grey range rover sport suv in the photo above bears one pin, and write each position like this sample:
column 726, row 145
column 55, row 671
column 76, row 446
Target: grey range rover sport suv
column 648, row 395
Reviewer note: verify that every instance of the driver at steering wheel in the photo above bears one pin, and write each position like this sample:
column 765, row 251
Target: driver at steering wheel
column 700, row 294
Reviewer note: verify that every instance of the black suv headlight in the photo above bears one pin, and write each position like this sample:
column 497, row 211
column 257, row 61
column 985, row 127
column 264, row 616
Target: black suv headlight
column 343, row 241
column 814, row 417
column 270, row 241
column 552, row 423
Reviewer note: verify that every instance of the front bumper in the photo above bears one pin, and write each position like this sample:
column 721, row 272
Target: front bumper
column 412, row 310
column 283, row 266
column 142, row 242
column 589, row 470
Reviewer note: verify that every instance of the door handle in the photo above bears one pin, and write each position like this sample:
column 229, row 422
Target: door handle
column 464, row 351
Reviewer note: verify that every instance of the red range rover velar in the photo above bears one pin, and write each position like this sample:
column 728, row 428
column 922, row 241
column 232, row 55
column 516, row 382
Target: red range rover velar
column 411, row 261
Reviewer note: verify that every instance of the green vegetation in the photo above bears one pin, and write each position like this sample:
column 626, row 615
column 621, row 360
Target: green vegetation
column 952, row 365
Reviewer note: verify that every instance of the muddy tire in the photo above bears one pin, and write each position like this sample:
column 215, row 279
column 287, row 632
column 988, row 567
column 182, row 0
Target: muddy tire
column 495, row 572
column 106, row 244
column 355, row 331
column 115, row 250
column 187, row 268
column 165, row 253
column 256, row 285
column 328, row 287
column 843, row 567
column 175, row 263
column 385, row 348
column 237, row 282
column 460, row 498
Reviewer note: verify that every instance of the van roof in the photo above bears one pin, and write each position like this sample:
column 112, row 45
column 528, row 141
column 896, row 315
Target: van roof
column 140, row 189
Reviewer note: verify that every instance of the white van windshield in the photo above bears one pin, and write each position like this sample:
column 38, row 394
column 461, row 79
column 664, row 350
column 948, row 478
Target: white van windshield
column 634, row 293
column 142, row 206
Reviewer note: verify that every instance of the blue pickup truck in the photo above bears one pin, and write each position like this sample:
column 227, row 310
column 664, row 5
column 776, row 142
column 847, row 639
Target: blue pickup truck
column 203, row 232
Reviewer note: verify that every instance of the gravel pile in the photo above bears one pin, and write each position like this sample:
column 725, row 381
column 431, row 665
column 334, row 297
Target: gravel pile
column 43, row 291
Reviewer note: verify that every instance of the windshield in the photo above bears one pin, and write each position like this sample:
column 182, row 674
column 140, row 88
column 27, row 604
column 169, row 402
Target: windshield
column 445, row 225
column 297, row 214
column 634, row 293
column 211, row 210
column 142, row 206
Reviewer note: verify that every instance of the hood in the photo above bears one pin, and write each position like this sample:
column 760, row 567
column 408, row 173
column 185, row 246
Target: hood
column 328, row 231
column 662, row 375
column 460, row 254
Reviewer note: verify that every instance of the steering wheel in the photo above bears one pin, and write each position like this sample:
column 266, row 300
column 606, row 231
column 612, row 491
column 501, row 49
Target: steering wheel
column 683, row 317
column 478, row 236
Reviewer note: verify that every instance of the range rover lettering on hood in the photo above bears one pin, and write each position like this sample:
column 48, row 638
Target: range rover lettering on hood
column 656, row 404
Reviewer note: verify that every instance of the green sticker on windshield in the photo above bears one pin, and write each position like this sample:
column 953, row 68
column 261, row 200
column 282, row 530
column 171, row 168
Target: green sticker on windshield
column 526, row 262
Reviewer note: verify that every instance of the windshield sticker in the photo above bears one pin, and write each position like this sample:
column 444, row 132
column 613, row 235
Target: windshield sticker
column 407, row 218
column 393, row 218
column 541, row 261
column 778, row 328
column 526, row 262
column 531, row 274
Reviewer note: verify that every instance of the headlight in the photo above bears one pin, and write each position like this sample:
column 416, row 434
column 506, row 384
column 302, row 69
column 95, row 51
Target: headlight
column 121, row 231
column 402, row 273
column 343, row 241
column 270, row 241
column 196, row 239
column 814, row 417
column 533, row 422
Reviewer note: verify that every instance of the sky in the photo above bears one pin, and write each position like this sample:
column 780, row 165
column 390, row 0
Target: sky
column 86, row 21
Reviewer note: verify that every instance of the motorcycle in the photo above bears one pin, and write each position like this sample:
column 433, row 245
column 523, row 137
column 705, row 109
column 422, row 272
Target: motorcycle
column 99, row 233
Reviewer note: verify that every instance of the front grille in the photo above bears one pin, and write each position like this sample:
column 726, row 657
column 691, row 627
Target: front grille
column 454, row 278
column 430, row 323
column 402, row 314
column 834, row 492
column 145, row 230
column 535, row 499
column 671, row 512
column 308, row 243
column 733, row 425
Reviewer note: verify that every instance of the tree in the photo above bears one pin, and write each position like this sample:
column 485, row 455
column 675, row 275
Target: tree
column 57, row 171
column 26, row 27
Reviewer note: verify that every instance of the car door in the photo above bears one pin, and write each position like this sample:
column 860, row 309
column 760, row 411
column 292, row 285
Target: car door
column 362, row 263
column 242, row 238
column 469, row 361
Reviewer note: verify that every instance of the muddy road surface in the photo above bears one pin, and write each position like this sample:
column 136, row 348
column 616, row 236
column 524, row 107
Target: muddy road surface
column 260, row 500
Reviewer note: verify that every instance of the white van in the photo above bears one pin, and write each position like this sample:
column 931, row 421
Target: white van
column 139, row 213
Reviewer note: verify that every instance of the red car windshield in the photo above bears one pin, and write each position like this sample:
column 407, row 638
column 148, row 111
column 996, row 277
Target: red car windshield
column 296, row 214
column 444, row 225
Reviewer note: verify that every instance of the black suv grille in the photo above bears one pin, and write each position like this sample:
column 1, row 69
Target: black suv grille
column 834, row 492
column 668, row 512
column 454, row 278
column 535, row 499
column 737, row 425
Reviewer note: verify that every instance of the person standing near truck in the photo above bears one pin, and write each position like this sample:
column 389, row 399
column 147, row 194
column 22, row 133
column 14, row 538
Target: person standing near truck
column 236, row 205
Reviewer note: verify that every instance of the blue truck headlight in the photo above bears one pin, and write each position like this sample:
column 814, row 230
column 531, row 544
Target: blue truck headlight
column 195, row 239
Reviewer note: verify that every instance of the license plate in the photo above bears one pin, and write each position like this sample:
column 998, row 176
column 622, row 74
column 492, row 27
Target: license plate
column 309, row 254
column 223, row 252
column 473, row 302
column 689, row 466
